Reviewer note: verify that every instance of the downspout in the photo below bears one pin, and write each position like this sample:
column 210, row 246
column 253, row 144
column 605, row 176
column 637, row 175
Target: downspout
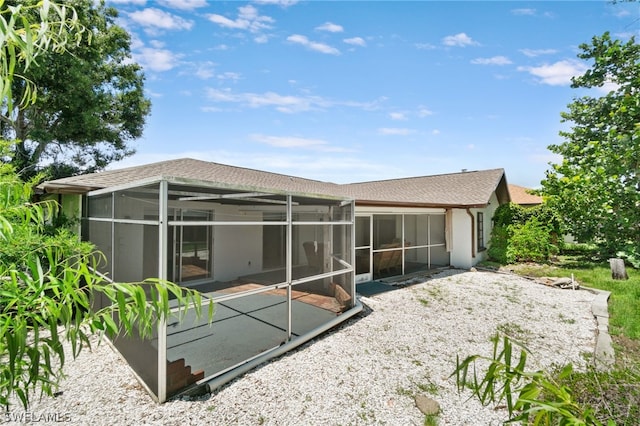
column 473, row 233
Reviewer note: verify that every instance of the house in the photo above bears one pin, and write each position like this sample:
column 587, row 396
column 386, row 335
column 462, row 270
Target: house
column 279, row 255
column 522, row 196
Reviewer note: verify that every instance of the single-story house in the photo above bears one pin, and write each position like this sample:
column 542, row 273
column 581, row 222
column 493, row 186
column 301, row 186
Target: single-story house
column 280, row 256
column 523, row 196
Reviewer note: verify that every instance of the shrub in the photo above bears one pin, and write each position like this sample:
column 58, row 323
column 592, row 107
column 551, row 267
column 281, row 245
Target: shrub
column 499, row 244
column 524, row 234
column 530, row 242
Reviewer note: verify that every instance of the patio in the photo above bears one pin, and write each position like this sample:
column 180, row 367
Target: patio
column 278, row 267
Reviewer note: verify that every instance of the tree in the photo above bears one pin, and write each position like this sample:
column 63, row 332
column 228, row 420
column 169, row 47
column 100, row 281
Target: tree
column 90, row 105
column 47, row 279
column 596, row 186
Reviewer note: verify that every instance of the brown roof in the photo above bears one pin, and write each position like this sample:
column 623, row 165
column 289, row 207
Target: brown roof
column 520, row 195
column 188, row 168
column 467, row 189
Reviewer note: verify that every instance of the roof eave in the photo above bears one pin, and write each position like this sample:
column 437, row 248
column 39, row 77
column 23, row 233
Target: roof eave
column 377, row 203
column 61, row 188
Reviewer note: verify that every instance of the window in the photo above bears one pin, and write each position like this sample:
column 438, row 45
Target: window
column 480, row 230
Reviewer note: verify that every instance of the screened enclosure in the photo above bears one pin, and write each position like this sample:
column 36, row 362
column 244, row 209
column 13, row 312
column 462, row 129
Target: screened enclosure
column 278, row 266
column 399, row 244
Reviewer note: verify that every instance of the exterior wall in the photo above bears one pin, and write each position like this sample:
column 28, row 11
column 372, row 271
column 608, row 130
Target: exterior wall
column 461, row 256
column 237, row 250
column 70, row 206
column 464, row 234
column 489, row 211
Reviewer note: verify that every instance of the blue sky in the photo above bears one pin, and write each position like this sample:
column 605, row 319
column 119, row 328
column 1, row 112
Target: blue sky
column 363, row 90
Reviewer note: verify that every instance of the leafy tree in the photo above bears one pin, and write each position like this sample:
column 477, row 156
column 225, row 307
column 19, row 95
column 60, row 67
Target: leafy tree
column 90, row 103
column 596, row 186
column 47, row 283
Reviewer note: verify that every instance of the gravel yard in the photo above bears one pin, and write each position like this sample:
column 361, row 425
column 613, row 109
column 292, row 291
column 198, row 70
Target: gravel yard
column 365, row 372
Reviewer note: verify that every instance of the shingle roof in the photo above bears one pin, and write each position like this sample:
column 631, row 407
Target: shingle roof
column 520, row 195
column 473, row 188
column 457, row 189
column 188, row 168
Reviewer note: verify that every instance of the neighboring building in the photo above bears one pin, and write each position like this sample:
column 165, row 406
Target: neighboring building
column 279, row 255
column 521, row 195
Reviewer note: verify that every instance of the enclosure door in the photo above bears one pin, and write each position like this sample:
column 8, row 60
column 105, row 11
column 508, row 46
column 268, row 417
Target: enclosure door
column 192, row 246
column 274, row 240
column 363, row 249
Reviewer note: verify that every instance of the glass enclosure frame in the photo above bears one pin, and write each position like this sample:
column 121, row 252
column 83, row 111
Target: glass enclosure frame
column 217, row 239
column 391, row 241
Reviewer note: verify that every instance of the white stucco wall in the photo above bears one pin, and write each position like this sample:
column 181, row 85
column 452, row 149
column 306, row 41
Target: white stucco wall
column 464, row 242
column 461, row 256
column 237, row 250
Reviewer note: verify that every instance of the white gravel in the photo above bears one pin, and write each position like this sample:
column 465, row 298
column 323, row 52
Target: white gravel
column 365, row 372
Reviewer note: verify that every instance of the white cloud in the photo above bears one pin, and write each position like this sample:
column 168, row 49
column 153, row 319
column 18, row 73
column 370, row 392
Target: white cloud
column 495, row 60
column 283, row 103
column 400, row 116
column 134, row 2
column 152, row 93
column 608, row 87
column 313, row 45
column 248, row 19
column 356, row 41
column 183, row 4
column 156, row 59
column 296, row 142
column 136, row 42
column 523, row 11
column 261, row 39
column 425, row 46
column 228, row 23
column 283, row 3
column 228, row 76
column 157, row 44
column 459, row 40
column 532, row 53
column 558, row 73
column 395, row 131
column 424, row 112
column 331, row 27
column 335, row 168
column 435, row 132
column 153, row 19
column 206, row 70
